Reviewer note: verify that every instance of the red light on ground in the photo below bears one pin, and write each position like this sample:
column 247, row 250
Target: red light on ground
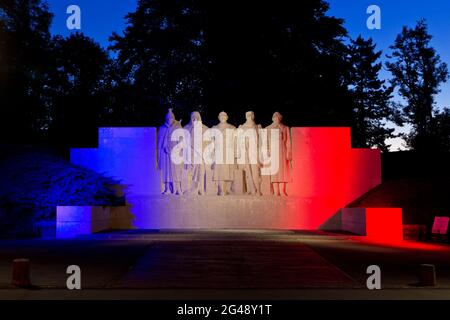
column 401, row 244
column 384, row 228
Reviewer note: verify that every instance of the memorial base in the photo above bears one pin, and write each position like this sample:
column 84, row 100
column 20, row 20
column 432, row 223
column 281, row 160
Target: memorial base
column 227, row 212
column 230, row 212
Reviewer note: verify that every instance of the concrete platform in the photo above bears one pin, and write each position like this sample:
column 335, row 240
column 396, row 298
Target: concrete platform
column 228, row 212
column 327, row 174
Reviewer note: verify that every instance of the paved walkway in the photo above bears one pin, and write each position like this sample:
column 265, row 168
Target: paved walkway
column 249, row 264
column 233, row 265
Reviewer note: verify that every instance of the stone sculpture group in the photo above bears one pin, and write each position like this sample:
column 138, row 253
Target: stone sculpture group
column 225, row 150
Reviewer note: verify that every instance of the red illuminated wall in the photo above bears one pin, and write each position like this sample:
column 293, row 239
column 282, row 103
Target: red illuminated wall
column 328, row 172
column 381, row 225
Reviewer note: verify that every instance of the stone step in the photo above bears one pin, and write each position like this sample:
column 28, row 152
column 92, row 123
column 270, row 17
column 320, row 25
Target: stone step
column 240, row 235
column 227, row 212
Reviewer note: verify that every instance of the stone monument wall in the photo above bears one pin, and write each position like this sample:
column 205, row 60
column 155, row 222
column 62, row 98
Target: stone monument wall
column 327, row 174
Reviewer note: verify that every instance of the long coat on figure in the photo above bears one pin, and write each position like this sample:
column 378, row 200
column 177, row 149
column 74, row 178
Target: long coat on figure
column 170, row 172
column 283, row 175
column 196, row 171
column 225, row 171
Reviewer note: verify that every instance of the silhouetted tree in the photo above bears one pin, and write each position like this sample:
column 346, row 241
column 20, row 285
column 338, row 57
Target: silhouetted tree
column 161, row 60
column 371, row 108
column 79, row 84
column 417, row 71
column 24, row 61
column 442, row 130
column 234, row 55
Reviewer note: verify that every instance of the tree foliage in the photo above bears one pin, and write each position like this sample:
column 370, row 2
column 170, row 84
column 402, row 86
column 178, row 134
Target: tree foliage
column 24, row 60
column 286, row 56
column 50, row 87
column 78, row 89
column 370, row 96
column 442, row 130
column 234, row 56
column 417, row 72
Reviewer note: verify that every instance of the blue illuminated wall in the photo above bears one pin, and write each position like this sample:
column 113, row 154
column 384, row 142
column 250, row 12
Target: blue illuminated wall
column 127, row 154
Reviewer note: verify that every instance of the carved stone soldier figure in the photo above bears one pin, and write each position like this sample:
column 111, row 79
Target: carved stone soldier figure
column 283, row 175
column 248, row 142
column 194, row 163
column 223, row 170
column 170, row 172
